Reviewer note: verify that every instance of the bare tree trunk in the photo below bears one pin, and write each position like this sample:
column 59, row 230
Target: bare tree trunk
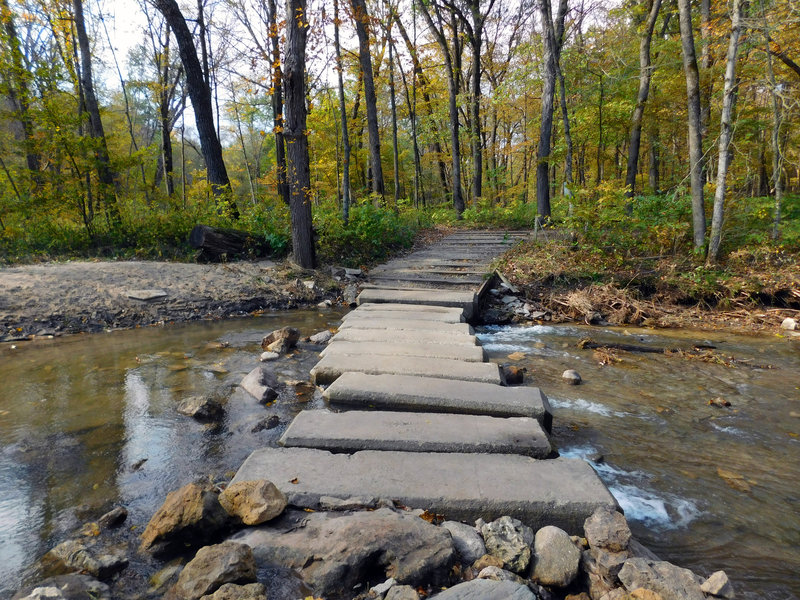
column 105, row 174
column 565, row 118
column 654, row 161
column 695, row 129
column 343, row 115
column 298, row 171
column 362, row 30
column 726, row 132
column 393, row 105
column 277, row 103
column 645, row 74
column 601, row 145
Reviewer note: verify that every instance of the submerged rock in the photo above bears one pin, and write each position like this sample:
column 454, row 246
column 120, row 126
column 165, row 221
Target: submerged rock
column 281, row 340
column 87, row 557
column 214, row 566
column 261, row 384
column 321, row 337
column 75, row 586
column 254, row 502
column 113, row 518
column 509, row 540
column 571, row 376
column 202, row 408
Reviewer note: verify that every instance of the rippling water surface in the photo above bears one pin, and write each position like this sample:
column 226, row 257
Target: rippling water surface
column 705, row 487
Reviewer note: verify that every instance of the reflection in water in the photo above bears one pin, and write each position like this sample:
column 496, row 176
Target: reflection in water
column 705, row 487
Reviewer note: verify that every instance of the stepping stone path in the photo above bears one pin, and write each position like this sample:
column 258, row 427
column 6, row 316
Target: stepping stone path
column 422, row 418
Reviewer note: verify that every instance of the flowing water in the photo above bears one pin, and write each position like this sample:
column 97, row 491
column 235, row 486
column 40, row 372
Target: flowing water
column 703, row 486
column 89, row 422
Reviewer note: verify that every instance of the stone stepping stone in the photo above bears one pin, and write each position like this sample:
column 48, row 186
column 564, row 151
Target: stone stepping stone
column 332, row 366
column 415, row 308
column 416, row 432
column 430, row 394
column 456, row 316
column 146, row 295
column 410, row 336
column 425, row 279
column 563, row 492
column 463, row 300
column 411, row 284
column 406, row 324
column 452, row 351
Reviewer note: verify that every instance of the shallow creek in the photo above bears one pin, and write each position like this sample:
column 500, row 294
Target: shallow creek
column 89, row 422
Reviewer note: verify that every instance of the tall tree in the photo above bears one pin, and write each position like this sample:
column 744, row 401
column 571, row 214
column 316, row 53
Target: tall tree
column 645, row 74
column 694, row 124
column 726, row 132
column 363, row 31
column 200, row 96
column 297, row 165
column 342, row 117
column 277, row 102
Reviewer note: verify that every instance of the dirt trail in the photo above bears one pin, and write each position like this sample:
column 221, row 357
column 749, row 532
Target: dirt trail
column 54, row 298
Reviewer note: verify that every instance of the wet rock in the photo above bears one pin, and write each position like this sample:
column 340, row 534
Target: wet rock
column 486, row 589
column 232, row 591
column 268, row 356
column 498, row 574
column 789, row 324
column 189, row 516
column 606, row 528
column 666, row 579
column 165, row 577
column 402, row 592
column 327, row 303
column 214, row 566
column 75, row 586
column 86, row 557
column 350, row 295
column 254, row 502
column 514, row 375
column 487, row 560
column 261, row 384
column 571, row 376
column 467, row 541
column 202, row 408
column 113, row 518
column 333, row 552
column 718, row 585
column 321, row 337
column 555, row 557
column 719, row 402
column 270, row 422
column 509, row 540
column 281, row 340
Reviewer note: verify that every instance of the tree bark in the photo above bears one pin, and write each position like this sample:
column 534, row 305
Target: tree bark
column 277, row 103
column 393, row 105
column 695, row 131
column 726, row 132
column 645, row 74
column 362, row 31
column 777, row 153
column 298, row 170
column 200, row 95
column 343, row 115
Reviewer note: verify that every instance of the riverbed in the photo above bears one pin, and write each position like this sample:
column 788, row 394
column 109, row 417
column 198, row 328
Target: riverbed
column 89, row 422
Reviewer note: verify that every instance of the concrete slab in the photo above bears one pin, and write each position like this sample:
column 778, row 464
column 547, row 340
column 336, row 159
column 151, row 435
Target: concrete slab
column 331, row 367
column 561, row 491
column 410, row 336
column 429, row 394
column 356, row 430
column 417, row 308
column 402, row 275
column 463, row 300
column 410, row 284
column 457, row 316
column 406, row 324
column 392, row 348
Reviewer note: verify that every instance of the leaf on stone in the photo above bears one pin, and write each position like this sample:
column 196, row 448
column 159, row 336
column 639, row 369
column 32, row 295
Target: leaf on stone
column 516, row 356
column 295, row 480
column 735, row 480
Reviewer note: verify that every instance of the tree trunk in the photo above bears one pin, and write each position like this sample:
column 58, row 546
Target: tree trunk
column 565, row 118
column 645, row 73
column 777, row 153
column 695, row 132
column 343, row 114
column 654, row 162
column 277, row 104
column 105, row 175
column 362, row 30
column 393, row 105
column 200, row 95
column 726, row 132
column 298, row 170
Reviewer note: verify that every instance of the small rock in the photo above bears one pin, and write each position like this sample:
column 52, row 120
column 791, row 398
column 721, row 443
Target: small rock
column 571, row 376
column 380, row 589
column 606, row 564
column 74, row 586
column 232, row 591
column 608, row 529
column 281, row 340
column 581, row 596
column 260, row 384
column 165, row 577
column 352, row 273
column 321, row 337
column 325, row 303
column 213, row 566
column 113, row 518
column 643, row 594
column 487, row 560
column 202, row 408
column 673, row 583
column 556, row 559
column 350, row 295
column 354, row 503
column 498, row 574
column 486, row 589
column 78, row 555
column 514, row 375
column 270, row 422
column 467, row 541
column 310, row 285
column 720, row 402
column 789, row 324
column 402, row 592
column 268, row 356
column 509, row 540
column 254, row 502
column 615, row 594
column 718, row 585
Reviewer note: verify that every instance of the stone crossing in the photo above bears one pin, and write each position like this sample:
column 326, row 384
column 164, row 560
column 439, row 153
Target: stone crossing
column 417, row 413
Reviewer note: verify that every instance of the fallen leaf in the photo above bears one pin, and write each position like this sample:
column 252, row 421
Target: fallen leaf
column 733, row 479
column 516, row 356
column 295, row 480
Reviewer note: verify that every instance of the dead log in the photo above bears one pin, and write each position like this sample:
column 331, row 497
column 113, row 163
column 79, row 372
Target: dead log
column 217, row 244
column 589, row 344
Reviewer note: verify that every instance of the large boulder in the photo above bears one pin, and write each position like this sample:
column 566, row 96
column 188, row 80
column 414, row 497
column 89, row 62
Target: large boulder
column 666, row 579
column 509, row 540
column 334, row 551
column 214, row 566
column 281, row 340
column 189, row 516
column 467, row 541
column 253, row 502
column 87, row 557
column 487, row 589
column 261, row 384
column 75, row 586
column 607, row 529
column 556, row 558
